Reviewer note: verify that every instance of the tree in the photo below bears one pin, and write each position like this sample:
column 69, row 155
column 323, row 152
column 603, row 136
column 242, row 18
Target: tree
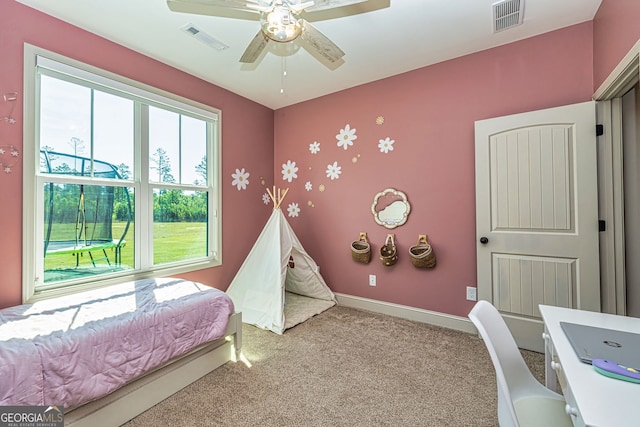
column 122, row 206
column 162, row 165
column 124, row 171
column 77, row 145
column 201, row 169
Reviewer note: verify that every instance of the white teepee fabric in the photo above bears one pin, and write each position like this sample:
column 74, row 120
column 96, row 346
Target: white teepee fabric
column 258, row 289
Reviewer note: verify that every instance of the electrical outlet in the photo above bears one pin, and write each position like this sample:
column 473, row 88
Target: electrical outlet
column 471, row 293
column 372, row 280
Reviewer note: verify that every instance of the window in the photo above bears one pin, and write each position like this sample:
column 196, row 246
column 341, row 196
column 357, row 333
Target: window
column 125, row 179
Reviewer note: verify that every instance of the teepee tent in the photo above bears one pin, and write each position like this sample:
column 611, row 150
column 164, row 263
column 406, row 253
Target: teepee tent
column 279, row 285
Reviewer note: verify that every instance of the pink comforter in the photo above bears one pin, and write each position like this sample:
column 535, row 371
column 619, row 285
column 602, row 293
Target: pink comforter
column 74, row 349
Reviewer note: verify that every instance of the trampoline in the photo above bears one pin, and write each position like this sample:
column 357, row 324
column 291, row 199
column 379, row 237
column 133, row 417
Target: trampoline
column 79, row 217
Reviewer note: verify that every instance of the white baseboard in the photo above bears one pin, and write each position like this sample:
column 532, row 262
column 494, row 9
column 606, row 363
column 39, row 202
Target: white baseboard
column 411, row 313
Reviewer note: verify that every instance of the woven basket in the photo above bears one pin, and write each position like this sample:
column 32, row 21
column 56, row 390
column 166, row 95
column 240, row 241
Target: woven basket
column 361, row 249
column 389, row 252
column 422, row 255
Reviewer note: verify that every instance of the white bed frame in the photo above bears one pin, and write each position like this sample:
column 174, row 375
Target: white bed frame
column 136, row 397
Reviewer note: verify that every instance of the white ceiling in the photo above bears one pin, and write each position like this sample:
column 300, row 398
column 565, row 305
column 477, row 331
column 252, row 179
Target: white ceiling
column 385, row 41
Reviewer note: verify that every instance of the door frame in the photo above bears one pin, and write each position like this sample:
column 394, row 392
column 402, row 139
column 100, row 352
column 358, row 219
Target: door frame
column 610, row 180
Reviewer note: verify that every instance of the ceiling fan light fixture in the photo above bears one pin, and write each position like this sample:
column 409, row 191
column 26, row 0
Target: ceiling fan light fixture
column 280, row 25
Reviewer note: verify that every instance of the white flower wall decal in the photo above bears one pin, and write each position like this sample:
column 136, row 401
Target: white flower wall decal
column 334, row 171
column 266, row 199
column 289, row 170
column 346, row 137
column 293, row 210
column 314, row 147
column 240, row 179
column 386, row 145
column 308, row 186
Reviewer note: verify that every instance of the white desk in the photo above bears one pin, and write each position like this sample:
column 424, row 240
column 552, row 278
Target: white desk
column 592, row 399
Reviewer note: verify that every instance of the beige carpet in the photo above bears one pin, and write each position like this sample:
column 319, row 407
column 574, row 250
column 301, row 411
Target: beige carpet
column 345, row 367
column 298, row 308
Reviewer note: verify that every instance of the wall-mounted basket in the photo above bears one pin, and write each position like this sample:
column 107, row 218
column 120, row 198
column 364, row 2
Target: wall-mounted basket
column 361, row 249
column 422, row 255
column 389, row 252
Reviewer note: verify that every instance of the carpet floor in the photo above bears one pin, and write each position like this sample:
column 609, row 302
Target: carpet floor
column 345, row 367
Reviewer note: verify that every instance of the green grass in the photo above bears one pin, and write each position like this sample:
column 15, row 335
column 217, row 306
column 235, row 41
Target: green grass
column 173, row 241
column 177, row 241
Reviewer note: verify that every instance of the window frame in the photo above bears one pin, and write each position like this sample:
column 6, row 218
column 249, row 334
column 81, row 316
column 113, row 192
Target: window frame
column 143, row 187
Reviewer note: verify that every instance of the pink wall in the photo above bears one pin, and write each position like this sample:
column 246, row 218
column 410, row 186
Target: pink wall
column 615, row 31
column 249, row 147
column 430, row 114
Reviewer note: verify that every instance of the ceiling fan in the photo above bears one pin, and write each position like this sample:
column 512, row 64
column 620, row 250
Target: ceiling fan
column 280, row 21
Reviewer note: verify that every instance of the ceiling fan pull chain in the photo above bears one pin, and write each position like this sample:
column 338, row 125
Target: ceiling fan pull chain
column 283, row 74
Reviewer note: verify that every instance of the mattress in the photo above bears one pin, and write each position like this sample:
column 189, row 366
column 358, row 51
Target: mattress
column 71, row 350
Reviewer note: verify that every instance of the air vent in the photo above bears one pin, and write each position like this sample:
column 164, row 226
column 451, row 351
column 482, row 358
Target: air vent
column 507, row 14
column 204, row 37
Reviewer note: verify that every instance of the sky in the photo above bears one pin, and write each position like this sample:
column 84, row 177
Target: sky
column 66, row 117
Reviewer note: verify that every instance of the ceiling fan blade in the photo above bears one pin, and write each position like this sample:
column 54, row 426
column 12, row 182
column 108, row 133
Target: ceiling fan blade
column 320, row 43
column 241, row 9
column 297, row 6
column 330, row 4
column 328, row 11
column 255, row 48
column 265, row 6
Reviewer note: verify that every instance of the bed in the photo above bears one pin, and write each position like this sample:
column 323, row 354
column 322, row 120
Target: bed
column 111, row 353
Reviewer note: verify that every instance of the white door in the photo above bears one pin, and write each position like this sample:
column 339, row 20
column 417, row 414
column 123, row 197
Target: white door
column 537, row 215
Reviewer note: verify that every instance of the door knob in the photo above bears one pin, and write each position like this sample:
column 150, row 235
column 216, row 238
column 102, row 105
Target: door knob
column 484, row 240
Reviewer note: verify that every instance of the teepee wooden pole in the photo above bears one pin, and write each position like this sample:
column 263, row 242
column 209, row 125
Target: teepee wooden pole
column 273, row 199
column 277, row 197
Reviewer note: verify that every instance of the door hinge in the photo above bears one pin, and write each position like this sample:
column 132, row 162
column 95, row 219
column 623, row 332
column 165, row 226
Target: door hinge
column 599, row 130
column 602, row 225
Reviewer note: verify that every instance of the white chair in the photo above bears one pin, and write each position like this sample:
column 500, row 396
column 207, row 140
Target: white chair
column 522, row 400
